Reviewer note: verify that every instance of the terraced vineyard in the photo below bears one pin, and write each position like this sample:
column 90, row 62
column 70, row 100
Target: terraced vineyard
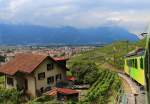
column 107, row 54
column 103, row 88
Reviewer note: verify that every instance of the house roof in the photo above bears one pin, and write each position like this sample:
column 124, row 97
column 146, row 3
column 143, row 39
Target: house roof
column 60, row 59
column 67, row 91
column 23, row 62
column 71, row 78
column 61, row 90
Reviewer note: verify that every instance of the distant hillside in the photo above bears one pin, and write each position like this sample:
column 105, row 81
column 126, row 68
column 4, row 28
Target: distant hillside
column 104, row 56
column 29, row 34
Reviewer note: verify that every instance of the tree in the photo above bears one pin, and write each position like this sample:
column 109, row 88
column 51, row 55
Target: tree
column 85, row 72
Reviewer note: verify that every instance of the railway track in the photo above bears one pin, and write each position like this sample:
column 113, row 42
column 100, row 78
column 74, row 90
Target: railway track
column 132, row 91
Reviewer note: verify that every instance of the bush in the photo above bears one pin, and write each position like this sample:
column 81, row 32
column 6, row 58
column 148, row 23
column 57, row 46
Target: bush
column 9, row 96
column 85, row 72
column 43, row 98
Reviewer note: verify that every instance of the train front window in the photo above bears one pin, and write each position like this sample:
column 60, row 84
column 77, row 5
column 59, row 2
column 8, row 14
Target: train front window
column 141, row 63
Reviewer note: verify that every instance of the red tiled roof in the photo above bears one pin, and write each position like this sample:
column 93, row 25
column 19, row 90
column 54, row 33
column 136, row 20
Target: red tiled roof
column 60, row 59
column 23, row 62
column 71, row 78
column 62, row 90
column 52, row 92
column 67, row 91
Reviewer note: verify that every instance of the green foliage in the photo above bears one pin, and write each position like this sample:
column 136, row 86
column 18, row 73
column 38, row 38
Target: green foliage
column 45, row 99
column 9, row 96
column 116, row 84
column 107, row 82
column 86, row 72
column 71, row 102
column 98, row 93
column 2, row 78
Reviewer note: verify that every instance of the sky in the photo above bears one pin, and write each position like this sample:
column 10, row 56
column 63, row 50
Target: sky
column 133, row 15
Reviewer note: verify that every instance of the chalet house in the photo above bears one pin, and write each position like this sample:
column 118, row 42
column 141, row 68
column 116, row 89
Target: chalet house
column 33, row 73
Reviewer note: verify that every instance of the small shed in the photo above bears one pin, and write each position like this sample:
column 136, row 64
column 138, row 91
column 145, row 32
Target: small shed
column 64, row 94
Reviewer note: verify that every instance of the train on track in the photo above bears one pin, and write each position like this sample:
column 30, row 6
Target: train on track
column 134, row 65
column 137, row 66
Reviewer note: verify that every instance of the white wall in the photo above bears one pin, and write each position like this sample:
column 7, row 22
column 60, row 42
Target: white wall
column 54, row 72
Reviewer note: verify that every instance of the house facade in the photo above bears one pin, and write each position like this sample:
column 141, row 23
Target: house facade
column 33, row 73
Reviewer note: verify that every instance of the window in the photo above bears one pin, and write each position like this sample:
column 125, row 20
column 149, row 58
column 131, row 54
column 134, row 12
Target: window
column 41, row 76
column 50, row 80
column 50, row 66
column 141, row 63
column 10, row 81
column 132, row 63
column 135, row 63
column 58, row 77
column 129, row 62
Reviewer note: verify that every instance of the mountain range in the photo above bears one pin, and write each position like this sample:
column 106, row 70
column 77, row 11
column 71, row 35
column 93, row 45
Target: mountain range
column 31, row 34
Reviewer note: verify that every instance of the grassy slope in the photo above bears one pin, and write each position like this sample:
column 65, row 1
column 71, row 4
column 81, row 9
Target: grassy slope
column 104, row 56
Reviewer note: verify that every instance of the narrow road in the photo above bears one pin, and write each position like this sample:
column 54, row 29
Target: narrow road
column 132, row 91
column 126, row 86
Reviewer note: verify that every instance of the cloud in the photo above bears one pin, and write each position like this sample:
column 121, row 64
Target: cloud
column 131, row 14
